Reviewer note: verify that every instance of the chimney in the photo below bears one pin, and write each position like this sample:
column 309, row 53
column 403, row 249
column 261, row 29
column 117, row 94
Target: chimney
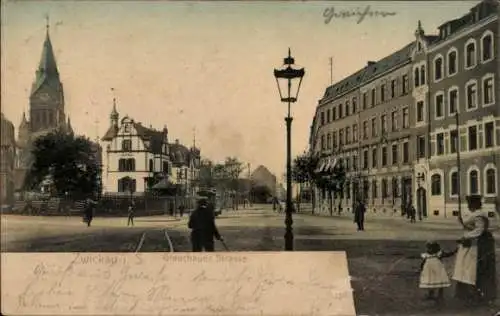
column 371, row 62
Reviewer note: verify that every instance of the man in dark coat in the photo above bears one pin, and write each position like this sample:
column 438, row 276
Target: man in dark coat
column 359, row 215
column 203, row 228
column 89, row 210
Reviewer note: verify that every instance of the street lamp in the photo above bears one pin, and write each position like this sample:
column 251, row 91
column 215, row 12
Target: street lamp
column 285, row 76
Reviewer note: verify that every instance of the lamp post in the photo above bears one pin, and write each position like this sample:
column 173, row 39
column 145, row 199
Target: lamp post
column 287, row 75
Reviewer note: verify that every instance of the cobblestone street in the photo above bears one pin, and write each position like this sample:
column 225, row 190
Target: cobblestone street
column 384, row 278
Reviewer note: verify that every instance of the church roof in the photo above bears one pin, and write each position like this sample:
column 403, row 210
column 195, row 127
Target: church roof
column 47, row 69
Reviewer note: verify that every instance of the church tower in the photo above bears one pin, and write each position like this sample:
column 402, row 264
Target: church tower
column 47, row 96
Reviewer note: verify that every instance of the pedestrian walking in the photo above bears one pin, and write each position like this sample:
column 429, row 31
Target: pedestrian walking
column 203, row 228
column 181, row 210
column 359, row 215
column 131, row 211
column 433, row 275
column 412, row 212
column 89, row 211
column 475, row 270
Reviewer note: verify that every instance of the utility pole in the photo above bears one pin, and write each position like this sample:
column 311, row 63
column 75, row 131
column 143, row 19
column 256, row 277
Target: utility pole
column 331, row 70
column 458, row 168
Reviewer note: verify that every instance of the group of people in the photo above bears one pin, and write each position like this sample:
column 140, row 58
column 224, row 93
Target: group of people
column 474, row 271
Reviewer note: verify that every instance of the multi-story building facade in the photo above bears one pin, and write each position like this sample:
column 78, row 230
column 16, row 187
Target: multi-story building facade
column 463, row 85
column 368, row 132
column 402, row 149
column 7, row 160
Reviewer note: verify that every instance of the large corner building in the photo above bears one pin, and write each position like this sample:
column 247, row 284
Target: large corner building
column 393, row 123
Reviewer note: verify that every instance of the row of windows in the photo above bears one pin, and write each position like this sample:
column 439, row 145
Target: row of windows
column 396, row 88
column 127, row 184
column 400, row 86
column 126, row 164
column 349, row 134
column 473, row 182
column 450, row 101
column 470, row 57
column 340, row 111
column 448, row 142
column 397, row 155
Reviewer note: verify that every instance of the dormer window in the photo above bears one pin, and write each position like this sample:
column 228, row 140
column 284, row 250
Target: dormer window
column 126, row 128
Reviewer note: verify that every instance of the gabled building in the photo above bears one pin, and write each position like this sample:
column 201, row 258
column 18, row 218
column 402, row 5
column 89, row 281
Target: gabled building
column 186, row 164
column 262, row 176
column 135, row 156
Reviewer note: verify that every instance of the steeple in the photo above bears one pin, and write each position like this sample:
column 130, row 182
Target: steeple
column 114, row 116
column 69, row 129
column 24, row 121
column 419, row 32
column 47, row 68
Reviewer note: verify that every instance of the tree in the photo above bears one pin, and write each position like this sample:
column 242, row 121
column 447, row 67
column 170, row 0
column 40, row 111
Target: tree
column 304, row 172
column 233, row 169
column 68, row 160
column 333, row 182
column 206, row 178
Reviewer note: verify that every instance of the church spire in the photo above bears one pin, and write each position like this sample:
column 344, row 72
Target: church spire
column 68, row 127
column 47, row 68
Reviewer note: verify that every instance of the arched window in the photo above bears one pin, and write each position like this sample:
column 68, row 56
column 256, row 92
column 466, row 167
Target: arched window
column 454, row 183
column 473, row 182
column 470, row 55
column 416, row 77
column 452, row 62
column 487, row 47
column 436, row 184
column 491, row 181
column 422, row 74
column 438, row 68
column 126, row 184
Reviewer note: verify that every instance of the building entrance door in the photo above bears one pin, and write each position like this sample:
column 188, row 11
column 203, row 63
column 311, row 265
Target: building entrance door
column 421, row 203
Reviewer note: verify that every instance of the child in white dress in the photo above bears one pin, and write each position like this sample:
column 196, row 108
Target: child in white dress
column 433, row 275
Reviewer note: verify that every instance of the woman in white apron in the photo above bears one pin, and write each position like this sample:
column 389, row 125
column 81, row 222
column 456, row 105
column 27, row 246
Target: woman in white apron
column 475, row 261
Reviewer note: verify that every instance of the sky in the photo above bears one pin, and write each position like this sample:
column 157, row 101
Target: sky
column 205, row 67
